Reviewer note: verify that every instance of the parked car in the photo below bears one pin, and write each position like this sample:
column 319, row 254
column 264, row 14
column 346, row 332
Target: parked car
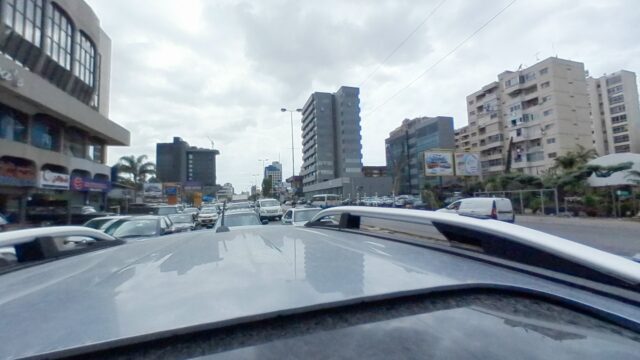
column 101, row 223
column 299, row 216
column 192, row 211
column 495, row 208
column 268, row 209
column 3, row 223
column 354, row 282
column 182, row 222
column 144, row 226
column 166, row 210
column 207, row 217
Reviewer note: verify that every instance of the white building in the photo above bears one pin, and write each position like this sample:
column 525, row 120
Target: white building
column 615, row 113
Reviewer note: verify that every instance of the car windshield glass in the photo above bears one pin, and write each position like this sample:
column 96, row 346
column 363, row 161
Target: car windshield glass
column 304, row 215
column 239, row 206
column 134, row 228
column 96, row 223
column 232, row 220
column 269, row 203
column 208, row 211
column 181, row 218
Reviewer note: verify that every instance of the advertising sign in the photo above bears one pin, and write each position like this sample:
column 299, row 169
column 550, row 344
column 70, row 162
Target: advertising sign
column 152, row 189
column 192, row 186
column 438, row 163
column 467, row 164
column 79, row 183
column 53, row 180
column 17, row 174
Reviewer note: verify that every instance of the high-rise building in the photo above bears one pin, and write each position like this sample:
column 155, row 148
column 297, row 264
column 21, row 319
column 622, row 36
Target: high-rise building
column 178, row 162
column 331, row 136
column 536, row 113
column 405, row 149
column 274, row 172
column 55, row 66
column 615, row 113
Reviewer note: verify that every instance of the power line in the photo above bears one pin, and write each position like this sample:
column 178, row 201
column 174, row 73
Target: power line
column 473, row 34
column 424, row 21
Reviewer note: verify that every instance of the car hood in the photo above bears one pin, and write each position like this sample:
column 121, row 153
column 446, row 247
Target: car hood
column 183, row 280
column 270, row 208
column 207, row 215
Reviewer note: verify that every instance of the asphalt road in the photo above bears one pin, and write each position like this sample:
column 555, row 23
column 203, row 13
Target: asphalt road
column 620, row 237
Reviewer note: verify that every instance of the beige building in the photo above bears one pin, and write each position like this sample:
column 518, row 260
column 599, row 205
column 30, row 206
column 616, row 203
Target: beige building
column 54, row 106
column 536, row 113
column 615, row 113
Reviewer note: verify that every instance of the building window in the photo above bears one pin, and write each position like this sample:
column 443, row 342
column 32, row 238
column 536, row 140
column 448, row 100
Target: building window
column 622, row 148
column 85, row 60
column 25, row 18
column 96, row 150
column 530, row 76
column 13, row 124
column 547, row 112
column 619, row 129
column 618, row 119
column 74, row 143
column 615, row 89
column 545, row 85
column 45, row 133
column 551, row 140
column 617, row 109
column 616, row 99
column 551, row 155
column 60, row 36
column 614, row 80
column 546, row 98
column 544, row 71
column 620, row 138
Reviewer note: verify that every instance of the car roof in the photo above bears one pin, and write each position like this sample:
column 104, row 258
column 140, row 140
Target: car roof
column 115, row 294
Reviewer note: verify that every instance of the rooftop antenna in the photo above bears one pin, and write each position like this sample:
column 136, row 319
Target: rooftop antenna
column 553, row 48
column 537, row 58
column 520, row 67
column 211, row 140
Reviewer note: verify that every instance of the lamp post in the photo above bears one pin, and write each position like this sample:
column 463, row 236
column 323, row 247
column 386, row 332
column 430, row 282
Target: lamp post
column 293, row 164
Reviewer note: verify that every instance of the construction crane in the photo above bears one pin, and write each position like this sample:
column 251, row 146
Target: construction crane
column 211, row 141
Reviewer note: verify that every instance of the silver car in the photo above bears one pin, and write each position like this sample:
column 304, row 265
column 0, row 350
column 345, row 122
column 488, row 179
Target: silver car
column 299, row 216
column 354, row 282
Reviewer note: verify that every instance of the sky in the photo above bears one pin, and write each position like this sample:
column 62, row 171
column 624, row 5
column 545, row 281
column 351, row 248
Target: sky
column 222, row 70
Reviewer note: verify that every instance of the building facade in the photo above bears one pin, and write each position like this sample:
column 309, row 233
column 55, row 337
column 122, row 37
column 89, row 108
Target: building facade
column 54, row 105
column 331, row 137
column 274, row 172
column 178, row 162
column 615, row 113
column 405, row 149
column 535, row 114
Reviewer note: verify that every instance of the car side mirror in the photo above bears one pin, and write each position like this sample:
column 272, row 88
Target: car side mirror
column 265, row 222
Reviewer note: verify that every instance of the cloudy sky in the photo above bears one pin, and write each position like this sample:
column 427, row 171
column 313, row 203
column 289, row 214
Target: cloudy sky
column 223, row 69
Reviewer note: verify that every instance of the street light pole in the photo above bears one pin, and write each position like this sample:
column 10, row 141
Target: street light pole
column 293, row 161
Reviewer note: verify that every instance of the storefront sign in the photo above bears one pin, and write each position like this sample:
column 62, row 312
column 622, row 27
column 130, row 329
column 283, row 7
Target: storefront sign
column 86, row 184
column 12, row 174
column 53, row 180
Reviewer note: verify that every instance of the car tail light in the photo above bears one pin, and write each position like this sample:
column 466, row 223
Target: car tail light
column 494, row 211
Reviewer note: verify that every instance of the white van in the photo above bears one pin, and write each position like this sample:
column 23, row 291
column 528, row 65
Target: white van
column 325, row 200
column 495, row 208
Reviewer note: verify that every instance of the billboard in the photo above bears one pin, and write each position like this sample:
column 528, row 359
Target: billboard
column 438, row 163
column 79, row 183
column 152, row 189
column 467, row 164
column 53, row 180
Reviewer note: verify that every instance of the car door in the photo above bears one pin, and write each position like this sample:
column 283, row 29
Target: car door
column 288, row 217
column 453, row 207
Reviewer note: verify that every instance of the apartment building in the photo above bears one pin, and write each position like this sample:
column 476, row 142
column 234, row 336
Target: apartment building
column 536, row 113
column 615, row 113
column 406, row 145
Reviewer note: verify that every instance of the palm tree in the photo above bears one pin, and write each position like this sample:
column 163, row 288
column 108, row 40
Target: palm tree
column 574, row 159
column 633, row 176
column 137, row 169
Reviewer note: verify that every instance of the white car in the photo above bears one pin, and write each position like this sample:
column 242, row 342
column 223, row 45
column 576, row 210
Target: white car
column 269, row 209
column 495, row 208
column 207, row 217
column 299, row 216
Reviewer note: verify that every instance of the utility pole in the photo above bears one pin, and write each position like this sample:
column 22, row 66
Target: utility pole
column 293, row 164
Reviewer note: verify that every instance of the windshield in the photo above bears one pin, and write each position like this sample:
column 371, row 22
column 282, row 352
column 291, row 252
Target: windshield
column 209, row 211
column 239, row 206
column 96, row 223
column 166, row 210
column 304, row 215
column 133, row 228
column 269, row 203
column 181, row 218
column 232, row 220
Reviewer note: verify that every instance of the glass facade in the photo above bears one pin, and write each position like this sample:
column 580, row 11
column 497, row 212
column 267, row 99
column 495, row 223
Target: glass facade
column 45, row 133
column 25, row 18
column 13, row 124
column 60, row 36
column 85, row 60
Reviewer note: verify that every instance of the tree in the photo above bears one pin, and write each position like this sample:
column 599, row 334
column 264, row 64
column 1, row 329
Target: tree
column 136, row 170
column 266, row 187
column 633, row 176
column 574, row 159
